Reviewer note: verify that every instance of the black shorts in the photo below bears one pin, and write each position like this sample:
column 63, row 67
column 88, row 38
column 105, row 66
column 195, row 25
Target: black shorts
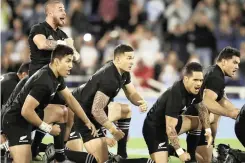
column 74, row 134
column 156, row 137
column 81, row 128
column 18, row 132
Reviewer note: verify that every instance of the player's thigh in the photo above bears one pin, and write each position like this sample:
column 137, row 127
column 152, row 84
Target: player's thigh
column 21, row 153
column 204, row 154
column 160, row 157
column 114, row 111
column 188, row 123
column 98, row 148
column 75, row 144
column 55, row 113
column 155, row 137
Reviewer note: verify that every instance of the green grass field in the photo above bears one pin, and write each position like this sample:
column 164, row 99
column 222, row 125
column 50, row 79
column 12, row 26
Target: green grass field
column 137, row 147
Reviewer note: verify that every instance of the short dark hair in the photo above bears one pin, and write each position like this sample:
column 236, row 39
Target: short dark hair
column 49, row 2
column 61, row 51
column 24, row 68
column 227, row 53
column 192, row 67
column 122, row 48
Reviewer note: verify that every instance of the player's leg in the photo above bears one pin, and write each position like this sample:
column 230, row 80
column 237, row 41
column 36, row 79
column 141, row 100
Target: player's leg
column 21, row 153
column 204, row 154
column 239, row 126
column 122, row 114
column 157, row 142
column 19, row 138
column 75, row 142
column 95, row 146
column 58, row 114
column 193, row 126
column 98, row 148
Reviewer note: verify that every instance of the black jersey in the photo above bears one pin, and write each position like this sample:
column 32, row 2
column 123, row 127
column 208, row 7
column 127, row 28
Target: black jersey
column 214, row 79
column 8, row 83
column 42, row 86
column 42, row 57
column 173, row 103
column 107, row 80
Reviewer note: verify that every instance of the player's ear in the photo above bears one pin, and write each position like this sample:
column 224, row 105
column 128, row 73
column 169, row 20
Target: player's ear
column 56, row 61
column 185, row 78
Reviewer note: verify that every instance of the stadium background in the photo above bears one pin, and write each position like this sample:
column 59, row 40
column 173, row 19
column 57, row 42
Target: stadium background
column 166, row 34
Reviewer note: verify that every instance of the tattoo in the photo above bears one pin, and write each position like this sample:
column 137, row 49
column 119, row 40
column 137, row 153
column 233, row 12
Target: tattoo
column 50, row 44
column 203, row 114
column 173, row 137
column 100, row 102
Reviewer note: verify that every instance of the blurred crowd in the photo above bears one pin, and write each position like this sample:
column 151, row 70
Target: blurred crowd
column 166, row 34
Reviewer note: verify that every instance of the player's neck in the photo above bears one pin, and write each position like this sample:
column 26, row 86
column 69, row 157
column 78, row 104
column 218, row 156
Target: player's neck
column 185, row 85
column 54, row 70
column 220, row 66
column 120, row 71
column 51, row 23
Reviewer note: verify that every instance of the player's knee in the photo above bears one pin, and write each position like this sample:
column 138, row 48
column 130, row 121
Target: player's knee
column 61, row 114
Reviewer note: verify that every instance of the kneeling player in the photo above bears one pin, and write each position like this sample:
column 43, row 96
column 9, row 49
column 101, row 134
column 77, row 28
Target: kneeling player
column 37, row 92
column 164, row 121
column 97, row 93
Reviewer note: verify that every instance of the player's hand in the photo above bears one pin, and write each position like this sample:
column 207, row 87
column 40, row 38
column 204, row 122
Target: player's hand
column 110, row 142
column 69, row 42
column 185, row 157
column 117, row 134
column 143, row 106
column 209, row 138
column 234, row 113
column 92, row 128
column 55, row 130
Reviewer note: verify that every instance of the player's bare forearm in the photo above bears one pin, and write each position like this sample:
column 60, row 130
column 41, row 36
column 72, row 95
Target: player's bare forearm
column 134, row 98
column 31, row 116
column 203, row 114
column 215, row 107
column 76, row 108
column 173, row 137
column 99, row 103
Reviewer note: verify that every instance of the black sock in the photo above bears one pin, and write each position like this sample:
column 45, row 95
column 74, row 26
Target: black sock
column 172, row 151
column 59, row 144
column 192, row 140
column 123, row 124
column 80, row 157
column 39, row 135
column 42, row 147
column 137, row 160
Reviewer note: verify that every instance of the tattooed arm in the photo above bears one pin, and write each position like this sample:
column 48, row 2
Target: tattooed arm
column 203, row 114
column 171, row 131
column 99, row 103
column 43, row 43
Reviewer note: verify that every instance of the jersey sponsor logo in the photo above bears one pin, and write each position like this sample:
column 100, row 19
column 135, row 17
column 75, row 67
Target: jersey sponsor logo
column 161, row 145
column 22, row 139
